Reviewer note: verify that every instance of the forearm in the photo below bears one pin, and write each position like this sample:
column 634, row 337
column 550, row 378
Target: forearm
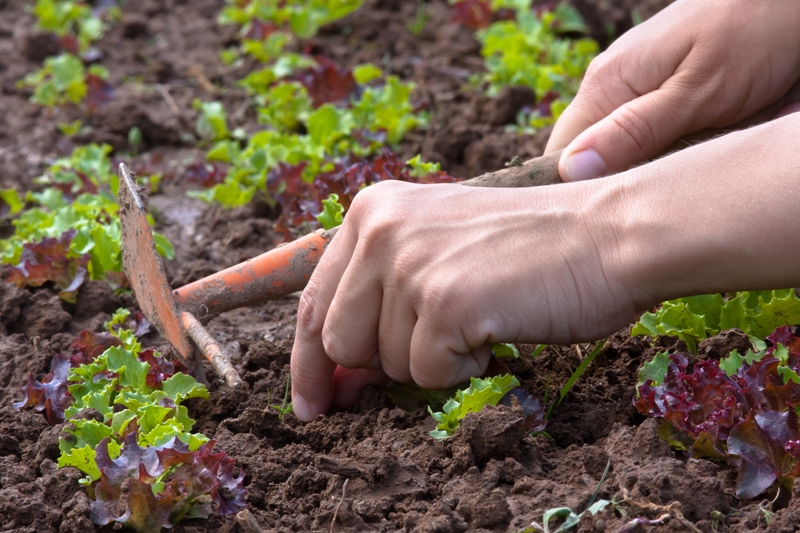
column 718, row 217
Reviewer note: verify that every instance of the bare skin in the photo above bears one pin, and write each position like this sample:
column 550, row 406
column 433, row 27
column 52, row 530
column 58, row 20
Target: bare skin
column 421, row 279
column 697, row 64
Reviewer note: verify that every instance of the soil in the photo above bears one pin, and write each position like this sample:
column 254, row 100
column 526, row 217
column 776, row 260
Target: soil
column 492, row 476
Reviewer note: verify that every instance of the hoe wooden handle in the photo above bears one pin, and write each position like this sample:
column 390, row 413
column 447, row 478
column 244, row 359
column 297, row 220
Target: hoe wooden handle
column 287, row 269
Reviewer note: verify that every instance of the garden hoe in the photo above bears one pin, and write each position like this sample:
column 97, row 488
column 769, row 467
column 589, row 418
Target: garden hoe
column 286, row 269
column 279, row 272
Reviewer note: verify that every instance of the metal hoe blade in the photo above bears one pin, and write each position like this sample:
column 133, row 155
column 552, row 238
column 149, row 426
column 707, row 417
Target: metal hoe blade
column 145, row 270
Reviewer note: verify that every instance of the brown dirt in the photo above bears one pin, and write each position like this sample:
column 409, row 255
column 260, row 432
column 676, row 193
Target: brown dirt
column 492, row 476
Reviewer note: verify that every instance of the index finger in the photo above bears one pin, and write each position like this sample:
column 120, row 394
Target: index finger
column 311, row 368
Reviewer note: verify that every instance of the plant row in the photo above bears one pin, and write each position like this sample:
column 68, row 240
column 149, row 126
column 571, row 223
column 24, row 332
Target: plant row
column 128, row 431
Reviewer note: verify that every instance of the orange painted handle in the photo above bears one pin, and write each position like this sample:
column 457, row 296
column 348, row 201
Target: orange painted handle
column 279, row 272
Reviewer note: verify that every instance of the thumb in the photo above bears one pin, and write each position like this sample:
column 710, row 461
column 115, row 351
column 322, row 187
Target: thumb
column 633, row 133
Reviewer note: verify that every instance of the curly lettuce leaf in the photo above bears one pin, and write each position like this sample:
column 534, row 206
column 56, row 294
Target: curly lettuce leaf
column 481, row 392
column 696, row 318
column 740, row 410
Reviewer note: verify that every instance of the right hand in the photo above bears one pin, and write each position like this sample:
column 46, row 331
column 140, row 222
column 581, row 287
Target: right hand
column 697, row 64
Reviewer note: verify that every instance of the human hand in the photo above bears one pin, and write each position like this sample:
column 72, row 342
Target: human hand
column 697, row 64
column 422, row 279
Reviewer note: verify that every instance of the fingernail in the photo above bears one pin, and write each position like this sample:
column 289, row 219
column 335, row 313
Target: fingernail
column 585, row 165
column 301, row 409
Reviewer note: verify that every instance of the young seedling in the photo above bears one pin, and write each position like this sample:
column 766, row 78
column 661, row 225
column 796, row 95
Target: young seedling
column 576, row 374
column 531, row 50
column 420, row 19
column 135, row 139
column 766, row 506
column 570, row 517
column 284, row 408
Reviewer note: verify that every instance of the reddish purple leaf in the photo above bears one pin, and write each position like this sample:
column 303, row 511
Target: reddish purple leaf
column 327, row 82
column 51, row 395
column 301, row 201
column 474, row 14
column 160, row 368
column 260, row 30
column 748, row 419
column 70, row 44
column 89, row 345
column 759, row 443
column 98, row 92
column 50, row 260
column 532, row 408
column 205, row 174
column 702, row 401
column 194, row 475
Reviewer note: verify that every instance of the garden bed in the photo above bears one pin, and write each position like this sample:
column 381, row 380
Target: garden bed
column 491, row 476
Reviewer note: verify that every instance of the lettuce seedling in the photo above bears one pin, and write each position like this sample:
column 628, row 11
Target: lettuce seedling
column 693, row 319
column 139, row 436
column 50, row 259
column 481, row 392
column 302, row 202
column 64, row 80
column 212, row 123
column 261, row 19
column 72, row 232
column 741, row 410
column 530, row 48
column 77, row 24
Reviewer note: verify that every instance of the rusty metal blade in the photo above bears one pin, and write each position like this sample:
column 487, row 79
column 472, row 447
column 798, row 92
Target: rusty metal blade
column 144, row 268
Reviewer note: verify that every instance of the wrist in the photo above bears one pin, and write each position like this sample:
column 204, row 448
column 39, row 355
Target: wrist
column 717, row 217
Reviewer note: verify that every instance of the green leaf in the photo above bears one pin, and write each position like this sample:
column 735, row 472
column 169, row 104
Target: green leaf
column 11, row 199
column 332, row 211
column 501, row 350
column 121, row 420
column 82, row 459
column 654, row 370
column 422, row 169
column 193, row 440
column 328, row 124
column 86, row 432
column 571, row 519
column 132, row 372
column 212, row 124
column 693, row 319
column 730, row 365
column 481, row 392
column 181, row 387
column 164, row 247
column 366, row 73
column 152, row 417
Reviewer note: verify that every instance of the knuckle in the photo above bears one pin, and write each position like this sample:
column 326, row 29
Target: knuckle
column 599, row 69
column 441, row 299
column 310, row 312
column 335, row 348
column 637, row 129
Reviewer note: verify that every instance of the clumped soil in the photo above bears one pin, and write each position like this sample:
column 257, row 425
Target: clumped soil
column 492, row 476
